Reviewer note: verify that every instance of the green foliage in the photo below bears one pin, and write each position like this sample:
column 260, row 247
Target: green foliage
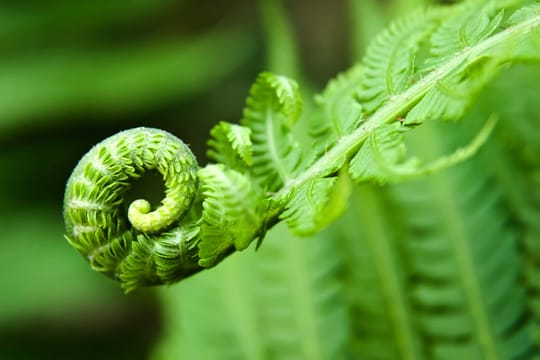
column 231, row 145
column 381, row 157
column 458, row 268
column 316, row 205
column 339, row 112
column 389, row 60
column 262, row 177
column 475, row 21
column 428, row 269
column 383, row 321
column 281, row 303
column 273, row 106
column 231, row 214
column 156, row 72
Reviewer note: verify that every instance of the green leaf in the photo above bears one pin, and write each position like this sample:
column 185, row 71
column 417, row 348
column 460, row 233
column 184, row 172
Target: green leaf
column 300, row 296
column 461, row 248
column 525, row 13
column 340, row 111
column 390, row 59
column 231, row 216
column 375, row 279
column 451, row 97
column 473, row 22
column 273, row 106
column 161, row 259
column 528, row 50
column 284, row 303
column 381, row 157
column 230, row 145
column 316, row 204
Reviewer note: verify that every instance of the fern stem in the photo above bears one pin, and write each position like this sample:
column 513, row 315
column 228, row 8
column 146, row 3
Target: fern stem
column 336, row 156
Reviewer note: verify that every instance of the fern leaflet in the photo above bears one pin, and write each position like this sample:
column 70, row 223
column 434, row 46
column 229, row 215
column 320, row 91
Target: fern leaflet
column 273, row 106
column 231, row 213
column 231, row 146
column 389, row 61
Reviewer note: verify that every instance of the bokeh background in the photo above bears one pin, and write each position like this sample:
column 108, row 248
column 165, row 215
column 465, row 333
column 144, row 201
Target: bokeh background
column 75, row 72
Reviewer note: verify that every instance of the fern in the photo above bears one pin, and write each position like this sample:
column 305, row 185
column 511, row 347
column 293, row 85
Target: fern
column 274, row 105
column 235, row 224
column 263, row 176
column 339, row 113
column 476, row 21
column 231, row 146
column 279, row 304
column 390, row 60
column 380, row 159
column 516, row 168
column 383, row 321
column 442, row 267
column 468, row 297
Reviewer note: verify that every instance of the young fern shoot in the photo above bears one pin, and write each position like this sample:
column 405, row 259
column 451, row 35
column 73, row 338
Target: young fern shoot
column 427, row 66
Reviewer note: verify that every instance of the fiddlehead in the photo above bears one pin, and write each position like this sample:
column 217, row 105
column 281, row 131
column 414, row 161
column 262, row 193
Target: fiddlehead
column 134, row 245
column 262, row 175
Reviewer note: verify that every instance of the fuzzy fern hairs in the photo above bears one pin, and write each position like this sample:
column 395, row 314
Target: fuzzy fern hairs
column 427, row 66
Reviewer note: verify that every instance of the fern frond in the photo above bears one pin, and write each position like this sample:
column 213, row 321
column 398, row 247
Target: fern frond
column 375, row 279
column 390, row 88
column 284, row 303
column 381, row 157
column 230, row 145
column 161, row 259
column 316, row 204
column 231, row 216
column 305, row 314
column 390, row 59
column 529, row 49
column 463, row 252
column 273, row 106
column 514, row 161
column 523, row 14
column 341, row 112
column 451, row 98
column 121, row 243
column 217, row 316
column 472, row 22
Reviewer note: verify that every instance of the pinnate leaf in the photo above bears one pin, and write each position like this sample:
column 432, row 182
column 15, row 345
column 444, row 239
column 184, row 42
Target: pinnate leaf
column 273, row 106
column 340, row 110
column 230, row 145
column 231, row 215
column 390, row 60
column 316, row 204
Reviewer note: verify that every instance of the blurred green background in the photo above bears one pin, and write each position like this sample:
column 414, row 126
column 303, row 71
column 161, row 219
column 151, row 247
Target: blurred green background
column 75, row 72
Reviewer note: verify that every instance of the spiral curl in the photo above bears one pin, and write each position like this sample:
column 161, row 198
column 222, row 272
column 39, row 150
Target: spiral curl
column 135, row 246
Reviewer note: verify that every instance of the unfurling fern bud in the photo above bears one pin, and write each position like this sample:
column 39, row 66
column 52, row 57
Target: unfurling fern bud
column 263, row 175
column 133, row 244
